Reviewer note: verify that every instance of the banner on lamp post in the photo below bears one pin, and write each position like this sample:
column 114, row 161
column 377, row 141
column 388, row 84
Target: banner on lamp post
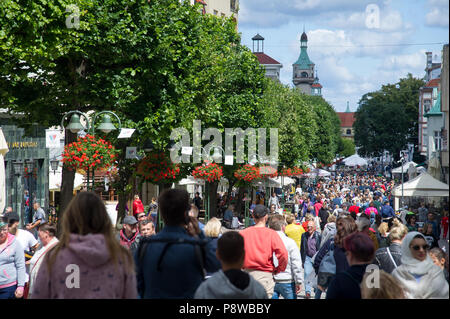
column 52, row 138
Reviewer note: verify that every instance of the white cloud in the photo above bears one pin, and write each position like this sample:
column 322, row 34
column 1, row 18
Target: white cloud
column 270, row 13
column 414, row 61
column 438, row 14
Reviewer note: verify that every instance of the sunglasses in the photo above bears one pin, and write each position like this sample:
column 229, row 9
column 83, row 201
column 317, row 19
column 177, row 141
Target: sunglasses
column 417, row 247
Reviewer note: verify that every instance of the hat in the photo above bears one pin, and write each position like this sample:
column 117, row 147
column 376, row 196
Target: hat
column 129, row 220
column 259, row 211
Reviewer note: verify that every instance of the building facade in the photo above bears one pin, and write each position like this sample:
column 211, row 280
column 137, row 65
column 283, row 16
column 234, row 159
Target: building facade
column 347, row 119
column 304, row 75
column 221, row 8
column 444, row 109
column 272, row 66
column 428, row 95
column 33, row 178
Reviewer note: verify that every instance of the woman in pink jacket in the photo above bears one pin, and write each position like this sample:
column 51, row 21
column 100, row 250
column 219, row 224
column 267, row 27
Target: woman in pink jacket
column 88, row 262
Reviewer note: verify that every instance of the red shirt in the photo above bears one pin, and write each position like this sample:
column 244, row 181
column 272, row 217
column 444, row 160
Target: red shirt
column 260, row 243
column 354, row 209
column 138, row 207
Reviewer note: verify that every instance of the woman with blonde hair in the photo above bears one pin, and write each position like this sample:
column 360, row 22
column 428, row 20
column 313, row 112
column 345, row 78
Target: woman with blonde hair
column 383, row 235
column 88, row 257
column 385, row 287
column 213, row 230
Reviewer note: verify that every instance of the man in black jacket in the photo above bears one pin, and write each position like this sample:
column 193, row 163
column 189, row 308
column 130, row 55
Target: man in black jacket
column 310, row 244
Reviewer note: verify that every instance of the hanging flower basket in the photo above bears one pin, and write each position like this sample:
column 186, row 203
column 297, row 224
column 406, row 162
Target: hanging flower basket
column 291, row 171
column 89, row 152
column 210, row 172
column 268, row 171
column 247, row 173
column 157, row 168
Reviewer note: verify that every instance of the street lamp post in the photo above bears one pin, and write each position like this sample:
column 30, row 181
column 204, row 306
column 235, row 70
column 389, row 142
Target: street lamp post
column 75, row 126
column 29, row 164
column 18, row 167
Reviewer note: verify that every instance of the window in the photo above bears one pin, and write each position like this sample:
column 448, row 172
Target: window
column 216, row 12
column 304, row 74
column 233, row 6
column 349, row 132
column 426, row 106
column 437, row 140
column 222, row 14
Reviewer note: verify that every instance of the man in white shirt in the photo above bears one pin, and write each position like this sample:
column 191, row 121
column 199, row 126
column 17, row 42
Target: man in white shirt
column 287, row 283
column 24, row 237
column 274, row 201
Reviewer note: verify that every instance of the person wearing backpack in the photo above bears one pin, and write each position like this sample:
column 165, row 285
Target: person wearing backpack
column 360, row 251
column 389, row 258
column 173, row 263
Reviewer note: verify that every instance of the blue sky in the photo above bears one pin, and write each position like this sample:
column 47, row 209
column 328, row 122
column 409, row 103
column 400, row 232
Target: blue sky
column 353, row 53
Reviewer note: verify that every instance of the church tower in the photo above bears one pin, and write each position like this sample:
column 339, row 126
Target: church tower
column 303, row 70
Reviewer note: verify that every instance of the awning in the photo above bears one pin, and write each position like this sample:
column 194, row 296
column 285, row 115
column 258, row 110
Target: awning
column 423, row 185
column 56, row 177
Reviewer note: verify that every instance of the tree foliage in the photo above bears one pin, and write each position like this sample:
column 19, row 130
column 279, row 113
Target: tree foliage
column 387, row 119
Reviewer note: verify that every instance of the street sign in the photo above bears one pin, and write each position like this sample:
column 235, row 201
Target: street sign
column 52, row 138
column 126, row 132
column 131, row 153
column 229, row 159
column 186, row 150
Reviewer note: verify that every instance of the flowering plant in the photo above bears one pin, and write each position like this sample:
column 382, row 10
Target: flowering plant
column 291, row 171
column 89, row 152
column 210, row 172
column 268, row 172
column 158, row 168
column 247, row 173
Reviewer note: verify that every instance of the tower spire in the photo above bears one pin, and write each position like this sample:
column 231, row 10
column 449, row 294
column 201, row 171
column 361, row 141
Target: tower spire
column 348, row 108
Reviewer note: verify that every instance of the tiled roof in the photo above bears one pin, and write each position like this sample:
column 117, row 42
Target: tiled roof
column 265, row 59
column 317, row 85
column 433, row 83
column 347, row 118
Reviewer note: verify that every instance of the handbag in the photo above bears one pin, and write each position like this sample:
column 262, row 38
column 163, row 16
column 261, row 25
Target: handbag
column 327, row 268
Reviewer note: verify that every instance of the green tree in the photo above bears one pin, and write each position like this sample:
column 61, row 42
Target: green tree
column 328, row 130
column 346, row 147
column 159, row 64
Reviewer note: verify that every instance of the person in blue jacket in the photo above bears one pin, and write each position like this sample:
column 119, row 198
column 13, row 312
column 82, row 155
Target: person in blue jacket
column 387, row 210
column 172, row 264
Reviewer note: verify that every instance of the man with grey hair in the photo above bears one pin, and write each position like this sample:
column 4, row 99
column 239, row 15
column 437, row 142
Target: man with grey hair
column 310, row 244
column 288, row 282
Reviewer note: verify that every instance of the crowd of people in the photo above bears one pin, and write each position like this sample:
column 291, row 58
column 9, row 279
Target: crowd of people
column 341, row 239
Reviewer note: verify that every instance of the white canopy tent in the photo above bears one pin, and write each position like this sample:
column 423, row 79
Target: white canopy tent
column 318, row 173
column 190, row 180
column 398, row 170
column 56, row 177
column 355, row 160
column 284, row 181
column 423, row 185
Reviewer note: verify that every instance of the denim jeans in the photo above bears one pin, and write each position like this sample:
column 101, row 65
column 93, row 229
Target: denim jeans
column 8, row 293
column 287, row 290
column 308, row 267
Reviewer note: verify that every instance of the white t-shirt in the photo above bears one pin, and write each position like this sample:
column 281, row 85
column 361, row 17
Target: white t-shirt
column 25, row 239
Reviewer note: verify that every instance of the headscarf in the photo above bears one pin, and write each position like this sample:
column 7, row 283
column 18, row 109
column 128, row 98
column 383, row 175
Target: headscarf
column 413, row 265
